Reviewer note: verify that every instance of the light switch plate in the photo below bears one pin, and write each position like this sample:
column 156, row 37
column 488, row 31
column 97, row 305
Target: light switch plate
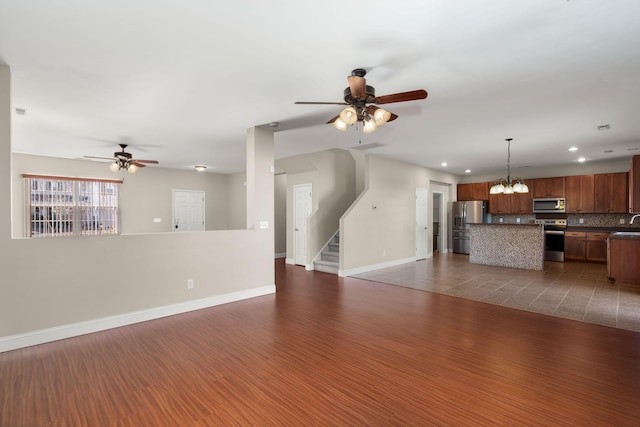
column 264, row 224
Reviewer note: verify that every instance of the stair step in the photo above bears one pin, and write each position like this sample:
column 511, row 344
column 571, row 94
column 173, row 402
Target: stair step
column 330, row 256
column 334, row 247
column 326, row 266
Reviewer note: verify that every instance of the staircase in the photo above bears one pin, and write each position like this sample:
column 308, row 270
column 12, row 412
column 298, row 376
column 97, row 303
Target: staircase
column 329, row 257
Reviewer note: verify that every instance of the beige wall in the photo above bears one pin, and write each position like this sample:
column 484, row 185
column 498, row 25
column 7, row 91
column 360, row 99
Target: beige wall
column 280, row 212
column 332, row 176
column 237, row 206
column 143, row 196
column 50, row 283
column 379, row 228
column 586, row 168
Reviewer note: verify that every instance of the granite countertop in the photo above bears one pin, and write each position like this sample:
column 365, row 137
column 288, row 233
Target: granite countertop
column 602, row 229
column 634, row 235
column 508, row 223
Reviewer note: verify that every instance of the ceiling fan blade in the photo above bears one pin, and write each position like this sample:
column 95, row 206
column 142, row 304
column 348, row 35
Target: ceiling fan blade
column 137, row 163
column 333, row 120
column 401, row 97
column 153, row 162
column 358, row 86
column 321, row 103
column 101, row 158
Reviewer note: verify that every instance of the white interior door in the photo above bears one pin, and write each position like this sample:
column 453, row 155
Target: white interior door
column 421, row 223
column 188, row 210
column 301, row 210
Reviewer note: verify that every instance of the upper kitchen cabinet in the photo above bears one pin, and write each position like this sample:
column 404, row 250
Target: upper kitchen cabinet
column 611, row 193
column 473, row 191
column 548, row 187
column 521, row 202
column 500, row 203
column 634, row 185
column 579, row 193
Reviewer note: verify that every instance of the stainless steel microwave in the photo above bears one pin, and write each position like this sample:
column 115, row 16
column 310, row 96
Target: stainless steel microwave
column 556, row 205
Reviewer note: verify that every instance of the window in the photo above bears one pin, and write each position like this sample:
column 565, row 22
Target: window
column 62, row 206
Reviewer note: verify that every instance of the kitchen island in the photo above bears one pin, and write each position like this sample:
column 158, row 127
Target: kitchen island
column 507, row 245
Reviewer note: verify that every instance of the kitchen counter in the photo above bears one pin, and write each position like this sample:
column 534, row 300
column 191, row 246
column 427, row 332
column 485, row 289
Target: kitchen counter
column 603, row 229
column 625, row 235
column 507, row 245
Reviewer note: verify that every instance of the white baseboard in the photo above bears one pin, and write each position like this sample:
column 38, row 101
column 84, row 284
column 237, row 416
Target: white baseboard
column 290, row 261
column 359, row 270
column 308, row 267
column 281, row 255
column 41, row 336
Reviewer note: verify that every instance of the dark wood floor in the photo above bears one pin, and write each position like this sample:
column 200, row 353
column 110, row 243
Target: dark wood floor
column 330, row 351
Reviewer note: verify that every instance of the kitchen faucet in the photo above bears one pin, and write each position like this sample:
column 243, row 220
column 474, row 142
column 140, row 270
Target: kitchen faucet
column 634, row 217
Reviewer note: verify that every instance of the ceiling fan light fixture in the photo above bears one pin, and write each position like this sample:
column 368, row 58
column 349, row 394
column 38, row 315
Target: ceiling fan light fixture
column 200, row 168
column 349, row 115
column 114, row 167
column 339, row 124
column 369, row 125
column 132, row 168
column 381, row 116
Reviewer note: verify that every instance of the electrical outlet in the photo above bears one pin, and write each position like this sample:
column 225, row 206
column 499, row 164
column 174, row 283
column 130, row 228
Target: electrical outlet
column 581, row 220
column 189, row 283
column 518, row 220
column 621, row 220
column 500, row 220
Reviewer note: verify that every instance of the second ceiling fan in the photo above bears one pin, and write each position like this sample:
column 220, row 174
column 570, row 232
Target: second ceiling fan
column 360, row 99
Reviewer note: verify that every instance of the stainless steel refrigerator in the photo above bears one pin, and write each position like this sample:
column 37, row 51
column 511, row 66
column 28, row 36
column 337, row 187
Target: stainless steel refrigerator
column 465, row 213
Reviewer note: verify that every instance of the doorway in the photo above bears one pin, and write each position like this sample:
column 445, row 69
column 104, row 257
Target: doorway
column 188, row 210
column 302, row 202
column 421, row 223
column 438, row 212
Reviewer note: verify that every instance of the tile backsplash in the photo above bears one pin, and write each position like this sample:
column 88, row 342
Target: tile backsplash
column 573, row 220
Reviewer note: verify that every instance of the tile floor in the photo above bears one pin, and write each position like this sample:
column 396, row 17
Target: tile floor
column 572, row 290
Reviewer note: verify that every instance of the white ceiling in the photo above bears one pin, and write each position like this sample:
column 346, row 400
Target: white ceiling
column 182, row 81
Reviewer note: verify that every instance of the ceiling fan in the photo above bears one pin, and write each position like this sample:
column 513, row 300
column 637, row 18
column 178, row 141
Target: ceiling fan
column 124, row 160
column 360, row 97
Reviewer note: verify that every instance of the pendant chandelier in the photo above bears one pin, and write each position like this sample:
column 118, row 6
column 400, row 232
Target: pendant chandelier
column 509, row 185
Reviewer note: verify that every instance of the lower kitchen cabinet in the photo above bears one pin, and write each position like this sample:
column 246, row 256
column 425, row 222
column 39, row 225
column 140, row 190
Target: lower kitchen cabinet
column 597, row 246
column 585, row 246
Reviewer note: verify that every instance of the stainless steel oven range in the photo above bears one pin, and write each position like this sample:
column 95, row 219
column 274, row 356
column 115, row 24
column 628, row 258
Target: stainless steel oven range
column 553, row 238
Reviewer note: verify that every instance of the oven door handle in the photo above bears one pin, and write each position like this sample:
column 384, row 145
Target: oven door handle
column 556, row 232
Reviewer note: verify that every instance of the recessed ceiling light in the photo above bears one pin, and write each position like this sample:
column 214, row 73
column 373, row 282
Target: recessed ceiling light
column 604, row 127
column 632, row 149
column 200, row 168
column 573, row 149
column 443, row 164
column 467, row 171
column 21, row 111
column 608, row 151
column 582, row 160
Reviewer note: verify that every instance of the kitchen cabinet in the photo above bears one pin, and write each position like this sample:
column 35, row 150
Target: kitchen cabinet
column 634, row 185
column 579, row 191
column 548, row 187
column 611, row 192
column 499, row 203
column 473, row 191
column 585, row 246
column 575, row 245
column 624, row 253
column 521, row 202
